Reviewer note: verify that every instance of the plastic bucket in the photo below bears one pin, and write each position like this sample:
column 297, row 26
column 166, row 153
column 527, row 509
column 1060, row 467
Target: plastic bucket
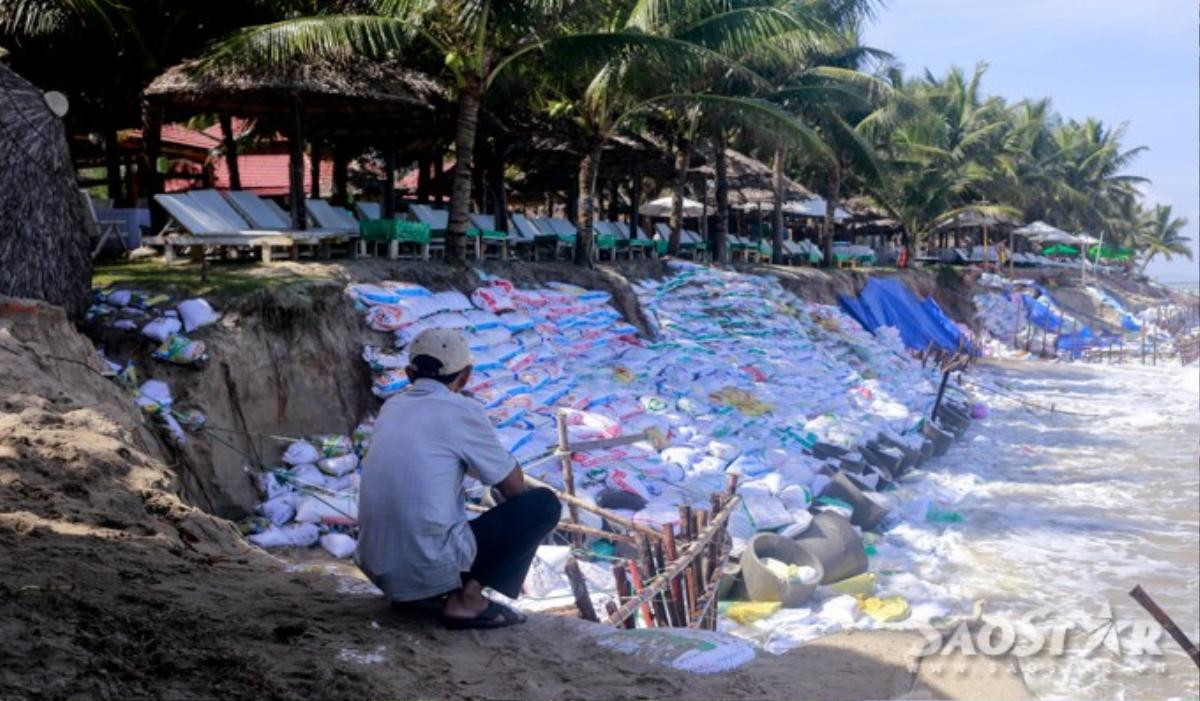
column 763, row 585
column 833, row 540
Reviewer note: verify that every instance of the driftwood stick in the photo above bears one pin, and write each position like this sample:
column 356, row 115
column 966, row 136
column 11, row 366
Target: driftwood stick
column 1139, row 595
column 676, row 567
column 583, row 600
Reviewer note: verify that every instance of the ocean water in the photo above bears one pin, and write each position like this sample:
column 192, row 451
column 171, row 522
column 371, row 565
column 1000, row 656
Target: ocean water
column 1068, row 511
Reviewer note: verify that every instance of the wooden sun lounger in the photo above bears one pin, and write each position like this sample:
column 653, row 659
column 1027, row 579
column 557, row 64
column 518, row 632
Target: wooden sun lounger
column 523, row 233
column 395, row 233
column 487, row 235
column 197, row 227
column 560, row 231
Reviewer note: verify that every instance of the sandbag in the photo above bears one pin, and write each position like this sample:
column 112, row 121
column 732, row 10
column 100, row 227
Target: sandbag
column 339, row 545
column 196, row 313
column 162, row 328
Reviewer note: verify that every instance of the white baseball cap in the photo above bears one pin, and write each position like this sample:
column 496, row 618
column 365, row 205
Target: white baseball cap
column 445, row 345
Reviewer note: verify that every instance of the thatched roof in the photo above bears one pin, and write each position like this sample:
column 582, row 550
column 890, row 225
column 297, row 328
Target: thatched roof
column 44, row 251
column 751, row 182
column 344, row 95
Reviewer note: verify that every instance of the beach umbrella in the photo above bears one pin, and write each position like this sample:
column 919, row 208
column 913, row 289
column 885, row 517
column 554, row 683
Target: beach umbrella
column 662, row 208
column 1041, row 231
column 44, row 249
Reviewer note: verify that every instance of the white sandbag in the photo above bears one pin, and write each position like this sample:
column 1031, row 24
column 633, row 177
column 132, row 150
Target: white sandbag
column 280, row 509
column 300, row 535
column 341, row 510
column 339, row 545
column 162, row 328
column 795, row 497
column 196, row 313
column 493, row 299
column 766, row 512
column 340, row 465
column 119, row 298
column 301, row 453
column 156, row 391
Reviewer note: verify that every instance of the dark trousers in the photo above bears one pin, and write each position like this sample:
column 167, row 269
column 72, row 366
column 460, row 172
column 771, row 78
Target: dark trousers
column 507, row 538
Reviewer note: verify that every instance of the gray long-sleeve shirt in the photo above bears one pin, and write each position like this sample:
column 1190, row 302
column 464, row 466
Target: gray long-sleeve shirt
column 414, row 539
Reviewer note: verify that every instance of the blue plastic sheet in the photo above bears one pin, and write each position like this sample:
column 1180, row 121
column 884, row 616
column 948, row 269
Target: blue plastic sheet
column 887, row 302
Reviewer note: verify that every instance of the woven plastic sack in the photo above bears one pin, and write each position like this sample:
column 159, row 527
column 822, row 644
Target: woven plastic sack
column 493, row 299
column 162, row 328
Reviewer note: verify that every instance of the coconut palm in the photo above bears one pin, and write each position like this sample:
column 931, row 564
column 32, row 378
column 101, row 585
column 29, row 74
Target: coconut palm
column 470, row 39
column 1161, row 236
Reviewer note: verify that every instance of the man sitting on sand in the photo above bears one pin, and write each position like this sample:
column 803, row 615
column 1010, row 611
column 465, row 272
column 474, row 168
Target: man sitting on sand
column 416, row 542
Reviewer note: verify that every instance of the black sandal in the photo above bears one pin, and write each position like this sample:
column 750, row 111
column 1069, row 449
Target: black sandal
column 496, row 615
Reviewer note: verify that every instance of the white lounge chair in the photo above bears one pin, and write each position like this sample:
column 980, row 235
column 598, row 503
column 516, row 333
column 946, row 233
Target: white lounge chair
column 368, row 210
column 200, row 222
column 562, row 231
column 486, row 234
column 523, row 234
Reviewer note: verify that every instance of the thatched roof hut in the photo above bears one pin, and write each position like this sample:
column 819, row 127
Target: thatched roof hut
column 44, row 241
column 347, row 101
column 351, row 95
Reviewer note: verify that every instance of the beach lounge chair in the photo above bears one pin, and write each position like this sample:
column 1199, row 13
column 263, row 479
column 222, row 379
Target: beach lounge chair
column 524, row 235
column 374, row 229
column 640, row 245
column 562, row 231
column 106, row 229
column 194, row 224
column 438, row 221
column 245, row 210
column 487, row 234
column 689, row 241
column 698, row 244
column 606, row 237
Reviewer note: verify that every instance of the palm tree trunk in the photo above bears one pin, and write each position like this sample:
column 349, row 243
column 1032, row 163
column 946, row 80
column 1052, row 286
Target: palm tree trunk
column 296, row 167
column 464, row 151
column 721, row 235
column 835, row 188
column 683, row 157
column 152, row 146
column 229, row 143
column 777, row 214
column 341, row 175
column 588, row 167
column 112, row 164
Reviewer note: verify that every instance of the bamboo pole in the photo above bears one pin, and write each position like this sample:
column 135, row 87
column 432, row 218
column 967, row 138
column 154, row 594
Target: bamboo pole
column 568, row 473
column 583, row 600
column 688, row 533
column 608, row 515
column 706, row 616
column 675, row 568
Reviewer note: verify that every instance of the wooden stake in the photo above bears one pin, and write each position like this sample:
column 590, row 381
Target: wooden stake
column 675, row 568
column 666, row 596
column 638, row 589
column 583, row 601
column 669, row 552
column 660, row 604
column 1140, row 596
column 622, row 596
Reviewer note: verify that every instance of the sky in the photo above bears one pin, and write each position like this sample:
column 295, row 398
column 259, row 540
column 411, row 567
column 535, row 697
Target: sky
column 1117, row 60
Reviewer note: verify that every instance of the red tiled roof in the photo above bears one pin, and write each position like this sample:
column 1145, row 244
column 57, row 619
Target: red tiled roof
column 267, row 173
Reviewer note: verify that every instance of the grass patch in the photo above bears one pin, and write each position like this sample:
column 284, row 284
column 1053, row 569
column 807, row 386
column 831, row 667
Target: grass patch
column 222, row 280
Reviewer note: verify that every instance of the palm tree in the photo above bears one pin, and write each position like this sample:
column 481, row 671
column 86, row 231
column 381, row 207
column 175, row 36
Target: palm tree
column 470, row 38
column 1160, row 236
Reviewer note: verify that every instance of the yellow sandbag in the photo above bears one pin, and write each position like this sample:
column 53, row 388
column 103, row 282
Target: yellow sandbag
column 751, row 611
column 860, row 584
column 884, row 610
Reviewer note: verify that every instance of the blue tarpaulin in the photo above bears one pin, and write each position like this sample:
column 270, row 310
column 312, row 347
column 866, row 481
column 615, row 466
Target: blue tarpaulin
column 887, row 302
